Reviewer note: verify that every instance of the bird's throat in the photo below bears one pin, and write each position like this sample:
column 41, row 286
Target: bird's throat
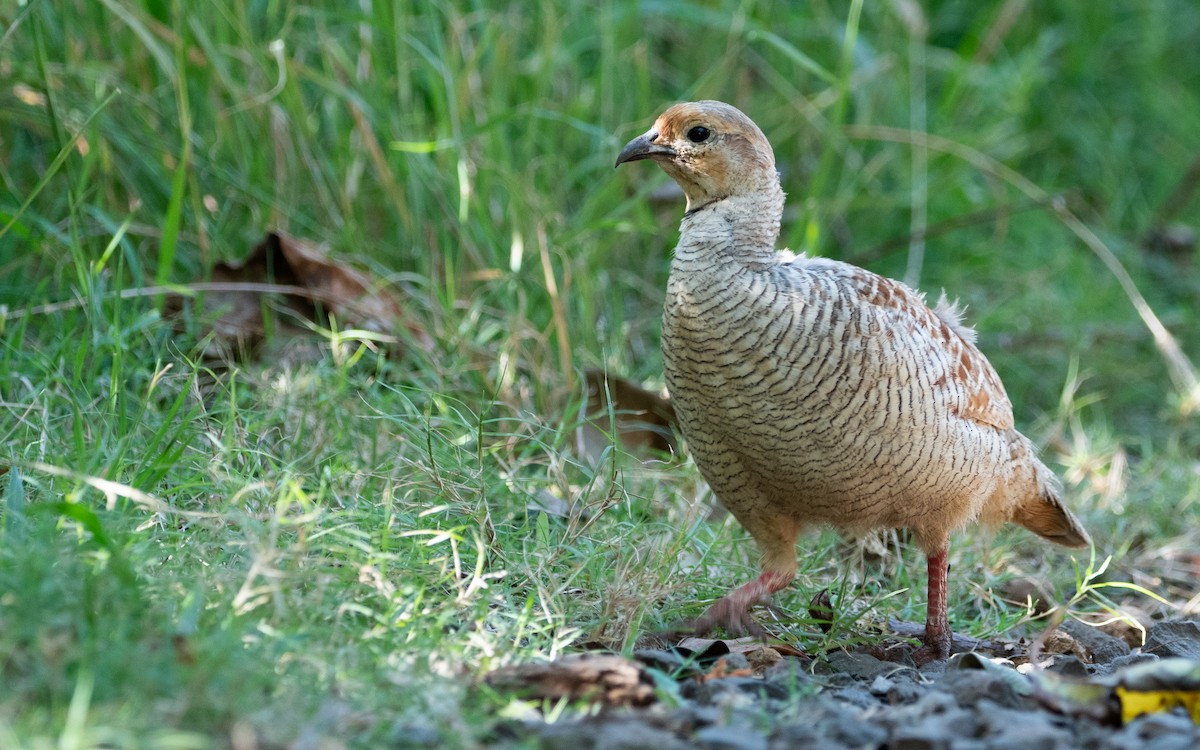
column 742, row 229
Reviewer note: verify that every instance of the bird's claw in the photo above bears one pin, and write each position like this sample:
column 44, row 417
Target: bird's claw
column 733, row 616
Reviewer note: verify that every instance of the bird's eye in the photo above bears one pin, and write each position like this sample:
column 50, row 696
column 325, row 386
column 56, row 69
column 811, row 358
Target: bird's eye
column 698, row 134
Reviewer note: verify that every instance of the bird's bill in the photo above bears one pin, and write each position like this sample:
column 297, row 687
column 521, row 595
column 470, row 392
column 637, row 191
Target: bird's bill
column 643, row 147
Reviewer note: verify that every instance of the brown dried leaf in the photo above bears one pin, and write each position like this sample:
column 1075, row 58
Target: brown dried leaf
column 302, row 283
column 644, row 420
column 721, row 670
column 820, row 610
column 604, row 678
column 705, row 650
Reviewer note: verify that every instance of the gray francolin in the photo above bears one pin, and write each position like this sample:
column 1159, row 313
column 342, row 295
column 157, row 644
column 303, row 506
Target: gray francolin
column 815, row 392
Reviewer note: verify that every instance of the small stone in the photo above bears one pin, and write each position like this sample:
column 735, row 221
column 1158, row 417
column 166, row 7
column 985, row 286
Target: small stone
column 905, row 692
column 1121, row 662
column 970, row 686
column 1166, row 735
column 790, row 736
column 1174, row 638
column 881, row 686
column 929, row 734
column 729, row 738
column 734, row 690
column 1016, row 729
column 1151, row 726
column 792, row 674
column 856, row 733
column 1173, row 742
column 1067, row 665
column 1100, row 647
column 609, row 735
column 932, row 702
column 862, row 666
column 1033, row 734
column 690, row 717
column 839, row 680
column 933, row 670
column 856, row 697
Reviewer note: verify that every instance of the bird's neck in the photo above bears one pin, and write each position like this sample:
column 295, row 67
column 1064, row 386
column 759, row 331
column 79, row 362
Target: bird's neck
column 741, row 229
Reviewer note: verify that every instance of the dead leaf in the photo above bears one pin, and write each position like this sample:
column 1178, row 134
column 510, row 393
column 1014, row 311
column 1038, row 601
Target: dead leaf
column 1059, row 641
column 764, row 657
column 302, row 283
column 721, row 670
column 820, row 610
column 602, row 678
column 708, row 650
column 644, row 420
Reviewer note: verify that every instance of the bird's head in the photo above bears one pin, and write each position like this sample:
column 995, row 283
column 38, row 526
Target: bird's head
column 711, row 149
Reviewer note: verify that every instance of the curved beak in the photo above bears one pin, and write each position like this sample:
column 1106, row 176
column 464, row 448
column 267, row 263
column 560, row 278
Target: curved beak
column 643, row 147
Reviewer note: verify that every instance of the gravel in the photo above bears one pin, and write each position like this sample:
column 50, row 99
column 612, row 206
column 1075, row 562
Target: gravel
column 855, row 700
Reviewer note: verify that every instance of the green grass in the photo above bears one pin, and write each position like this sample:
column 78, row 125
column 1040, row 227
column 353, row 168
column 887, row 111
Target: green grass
column 337, row 548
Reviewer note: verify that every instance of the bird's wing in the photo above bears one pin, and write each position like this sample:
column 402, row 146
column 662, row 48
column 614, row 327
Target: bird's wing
column 979, row 394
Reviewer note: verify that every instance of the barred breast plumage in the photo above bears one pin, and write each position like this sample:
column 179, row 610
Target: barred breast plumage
column 812, row 391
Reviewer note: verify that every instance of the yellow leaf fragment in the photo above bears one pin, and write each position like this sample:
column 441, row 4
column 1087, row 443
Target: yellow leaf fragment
column 1134, row 703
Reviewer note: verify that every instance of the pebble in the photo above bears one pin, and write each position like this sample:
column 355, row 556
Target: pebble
column 1068, row 666
column 626, row 734
column 862, row 666
column 970, row 686
column 730, row 738
column 736, row 690
column 858, row 733
column 1100, row 646
column 854, row 700
column 856, row 697
column 929, row 734
column 1168, row 722
column 1174, row 638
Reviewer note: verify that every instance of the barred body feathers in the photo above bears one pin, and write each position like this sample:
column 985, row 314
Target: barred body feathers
column 812, row 391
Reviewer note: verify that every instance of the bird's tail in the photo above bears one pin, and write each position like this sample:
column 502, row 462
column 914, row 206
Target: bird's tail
column 1042, row 511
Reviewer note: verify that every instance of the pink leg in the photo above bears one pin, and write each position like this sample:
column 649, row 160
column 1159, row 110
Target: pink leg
column 937, row 621
column 732, row 611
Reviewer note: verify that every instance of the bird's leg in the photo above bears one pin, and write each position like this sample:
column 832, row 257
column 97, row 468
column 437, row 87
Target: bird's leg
column 732, row 611
column 937, row 620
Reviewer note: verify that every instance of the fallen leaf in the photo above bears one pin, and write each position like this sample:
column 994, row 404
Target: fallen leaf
column 708, row 650
column 302, row 283
column 764, row 657
column 820, row 610
column 721, row 671
column 643, row 420
column 601, row 678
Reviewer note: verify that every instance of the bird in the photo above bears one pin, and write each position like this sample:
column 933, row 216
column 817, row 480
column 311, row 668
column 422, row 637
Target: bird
column 814, row 392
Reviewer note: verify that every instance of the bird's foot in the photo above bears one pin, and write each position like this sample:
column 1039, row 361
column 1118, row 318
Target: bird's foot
column 731, row 613
column 937, row 645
